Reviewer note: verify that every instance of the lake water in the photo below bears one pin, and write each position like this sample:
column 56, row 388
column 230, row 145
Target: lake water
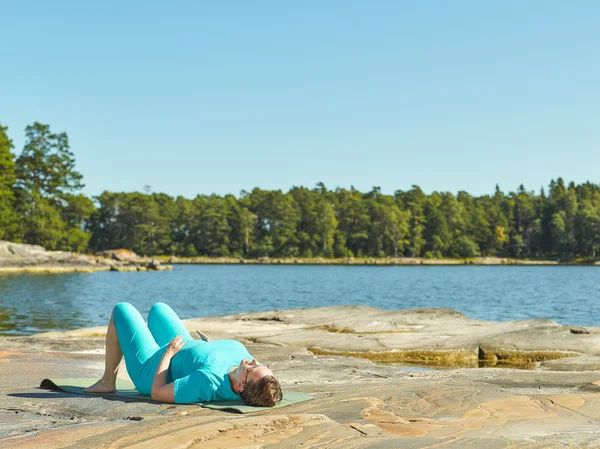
column 36, row 303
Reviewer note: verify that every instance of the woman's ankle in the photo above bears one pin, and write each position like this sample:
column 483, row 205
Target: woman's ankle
column 110, row 380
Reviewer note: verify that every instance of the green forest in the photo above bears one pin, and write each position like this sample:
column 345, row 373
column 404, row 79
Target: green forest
column 41, row 203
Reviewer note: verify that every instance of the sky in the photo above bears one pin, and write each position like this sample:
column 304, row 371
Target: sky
column 199, row 97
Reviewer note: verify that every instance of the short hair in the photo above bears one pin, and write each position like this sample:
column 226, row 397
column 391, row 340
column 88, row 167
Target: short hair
column 266, row 392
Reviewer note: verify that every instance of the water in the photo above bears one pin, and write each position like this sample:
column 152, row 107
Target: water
column 36, row 303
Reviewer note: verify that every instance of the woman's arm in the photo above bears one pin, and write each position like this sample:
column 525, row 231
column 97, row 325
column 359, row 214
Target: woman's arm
column 161, row 390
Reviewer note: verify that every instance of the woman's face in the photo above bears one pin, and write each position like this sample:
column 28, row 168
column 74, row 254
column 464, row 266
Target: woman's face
column 251, row 370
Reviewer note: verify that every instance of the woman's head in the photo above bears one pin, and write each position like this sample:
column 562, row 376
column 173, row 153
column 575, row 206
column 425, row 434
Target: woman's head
column 257, row 385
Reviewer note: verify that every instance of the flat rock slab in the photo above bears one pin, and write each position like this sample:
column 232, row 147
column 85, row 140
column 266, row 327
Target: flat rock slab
column 358, row 404
column 441, row 337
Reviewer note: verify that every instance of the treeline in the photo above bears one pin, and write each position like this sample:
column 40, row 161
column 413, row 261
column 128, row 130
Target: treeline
column 40, row 204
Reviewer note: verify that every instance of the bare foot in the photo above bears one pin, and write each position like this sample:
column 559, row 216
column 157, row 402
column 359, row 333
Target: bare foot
column 101, row 387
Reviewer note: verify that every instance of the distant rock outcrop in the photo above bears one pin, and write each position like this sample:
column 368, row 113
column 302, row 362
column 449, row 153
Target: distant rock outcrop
column 21, row 257
column 122, row 255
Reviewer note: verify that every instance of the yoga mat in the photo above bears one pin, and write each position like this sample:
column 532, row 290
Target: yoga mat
column 126, row 389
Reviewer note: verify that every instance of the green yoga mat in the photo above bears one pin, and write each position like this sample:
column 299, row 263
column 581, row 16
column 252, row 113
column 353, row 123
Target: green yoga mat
column 126, row 389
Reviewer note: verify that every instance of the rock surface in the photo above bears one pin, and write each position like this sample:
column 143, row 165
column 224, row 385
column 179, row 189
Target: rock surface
column 122, row 255
column 20, row 257
column 358, row 403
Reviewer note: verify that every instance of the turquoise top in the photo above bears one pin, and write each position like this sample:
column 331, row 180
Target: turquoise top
column 201, row 370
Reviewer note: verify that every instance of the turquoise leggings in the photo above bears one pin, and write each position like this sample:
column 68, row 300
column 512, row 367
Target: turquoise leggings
column 144, row 345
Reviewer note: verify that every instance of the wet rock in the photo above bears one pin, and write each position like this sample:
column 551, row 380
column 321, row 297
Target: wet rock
column 154, row 264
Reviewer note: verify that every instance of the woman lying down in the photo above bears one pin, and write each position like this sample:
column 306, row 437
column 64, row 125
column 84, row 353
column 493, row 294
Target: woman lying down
column 165, row 362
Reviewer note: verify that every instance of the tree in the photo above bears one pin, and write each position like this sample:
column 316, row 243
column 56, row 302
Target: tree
column 325, row 226
column 46, row 179
column 181, row 227
column 284, row 220
column 306, row 229
column 76, row 215
column 395, row 227
column 477, row 226
column 558, row 233
column 247, row 227
column 587, row 229
column 456, row 219
column 140, row 222
column 211, row 228
column 157, row 212
column 495, row 208
column 40, row 203
column 46, row 164
column 41, row 222
column 525, row 241
column 465, row 247
column 415, row 202
column 354, row 220
column 8, row 217
column 437, row 233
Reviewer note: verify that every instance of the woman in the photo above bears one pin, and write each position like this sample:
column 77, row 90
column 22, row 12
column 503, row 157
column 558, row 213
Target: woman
column 165, row 362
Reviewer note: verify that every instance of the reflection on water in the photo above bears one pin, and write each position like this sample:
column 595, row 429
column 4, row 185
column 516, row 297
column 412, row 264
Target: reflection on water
column 31, row 303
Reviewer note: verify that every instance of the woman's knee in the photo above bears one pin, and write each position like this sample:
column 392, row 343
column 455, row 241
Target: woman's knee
column 159, row 308
column 160, row 305
column 122, row 308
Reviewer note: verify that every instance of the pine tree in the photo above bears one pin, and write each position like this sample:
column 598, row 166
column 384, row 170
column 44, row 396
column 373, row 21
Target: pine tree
column 46, row 181
column 8, row 217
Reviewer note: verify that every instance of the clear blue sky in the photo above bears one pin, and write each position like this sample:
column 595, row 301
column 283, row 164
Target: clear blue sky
column 200, row 97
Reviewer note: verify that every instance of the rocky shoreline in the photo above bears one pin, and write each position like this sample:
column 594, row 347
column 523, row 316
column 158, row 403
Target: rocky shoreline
column 23, row 258
column 384, row 261
column 341, row 355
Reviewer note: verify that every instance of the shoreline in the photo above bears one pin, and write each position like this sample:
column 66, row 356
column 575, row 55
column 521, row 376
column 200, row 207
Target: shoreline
column 138, row 264
column 58, row 269
column 384, row 261
column 24, row 258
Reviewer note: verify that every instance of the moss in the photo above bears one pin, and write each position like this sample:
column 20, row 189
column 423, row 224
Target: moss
column 457, row 358
column 499, row 356
column 420, row 357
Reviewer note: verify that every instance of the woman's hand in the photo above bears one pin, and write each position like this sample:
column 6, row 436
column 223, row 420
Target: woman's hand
column 161, row 390
column 203, row 336
column 175, row 345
